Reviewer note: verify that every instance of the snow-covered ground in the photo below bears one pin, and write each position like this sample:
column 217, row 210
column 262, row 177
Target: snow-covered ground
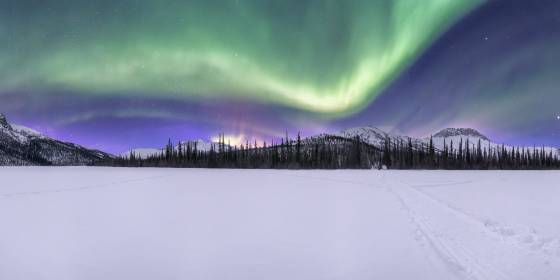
column 108, row 223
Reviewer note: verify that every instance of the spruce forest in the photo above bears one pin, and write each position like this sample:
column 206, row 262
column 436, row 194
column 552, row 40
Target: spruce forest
column 335, row 152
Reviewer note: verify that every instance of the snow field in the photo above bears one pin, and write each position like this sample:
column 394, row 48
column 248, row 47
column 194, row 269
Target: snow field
column 111, row 223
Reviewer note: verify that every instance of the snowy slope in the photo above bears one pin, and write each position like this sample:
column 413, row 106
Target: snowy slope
column 457, row 135
column 20, row 145
column 26, row 131
column 460, row 132
column 120, row 223
column 371, row 135
column 378, row 137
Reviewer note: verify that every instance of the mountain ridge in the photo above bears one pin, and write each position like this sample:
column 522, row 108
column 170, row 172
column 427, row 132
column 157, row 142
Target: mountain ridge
column 452, row 131
column 375, row 136
column 441, row 139
column 20, row 145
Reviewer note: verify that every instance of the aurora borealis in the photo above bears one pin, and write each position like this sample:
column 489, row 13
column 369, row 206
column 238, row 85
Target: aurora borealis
column 121, row 74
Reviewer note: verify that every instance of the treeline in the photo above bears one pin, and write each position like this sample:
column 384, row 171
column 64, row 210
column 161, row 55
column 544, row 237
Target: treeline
column 334, row 152
column 326, row 152
column 401, row 154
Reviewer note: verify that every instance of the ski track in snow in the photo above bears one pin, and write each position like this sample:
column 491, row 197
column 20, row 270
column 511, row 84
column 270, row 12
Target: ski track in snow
column 472, row 248
column 450, row 244
column 525, row 238
column 469, row 247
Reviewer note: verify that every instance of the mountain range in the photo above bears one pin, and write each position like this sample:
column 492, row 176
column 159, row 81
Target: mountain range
column 376, row 137
column 20, row 145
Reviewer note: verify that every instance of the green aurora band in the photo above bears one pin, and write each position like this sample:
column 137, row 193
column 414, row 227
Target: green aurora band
column 327, row 56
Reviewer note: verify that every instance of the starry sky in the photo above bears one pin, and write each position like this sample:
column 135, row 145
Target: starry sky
column 119, row 74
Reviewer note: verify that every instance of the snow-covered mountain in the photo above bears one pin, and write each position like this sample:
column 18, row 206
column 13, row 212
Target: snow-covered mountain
column 20, row 145
column 457, row 136
column 471, row 136
column 373, row 136
column 460, row 132
column 377, row 137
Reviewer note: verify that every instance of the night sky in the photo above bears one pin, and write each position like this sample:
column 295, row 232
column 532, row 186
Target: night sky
column 120, row 74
